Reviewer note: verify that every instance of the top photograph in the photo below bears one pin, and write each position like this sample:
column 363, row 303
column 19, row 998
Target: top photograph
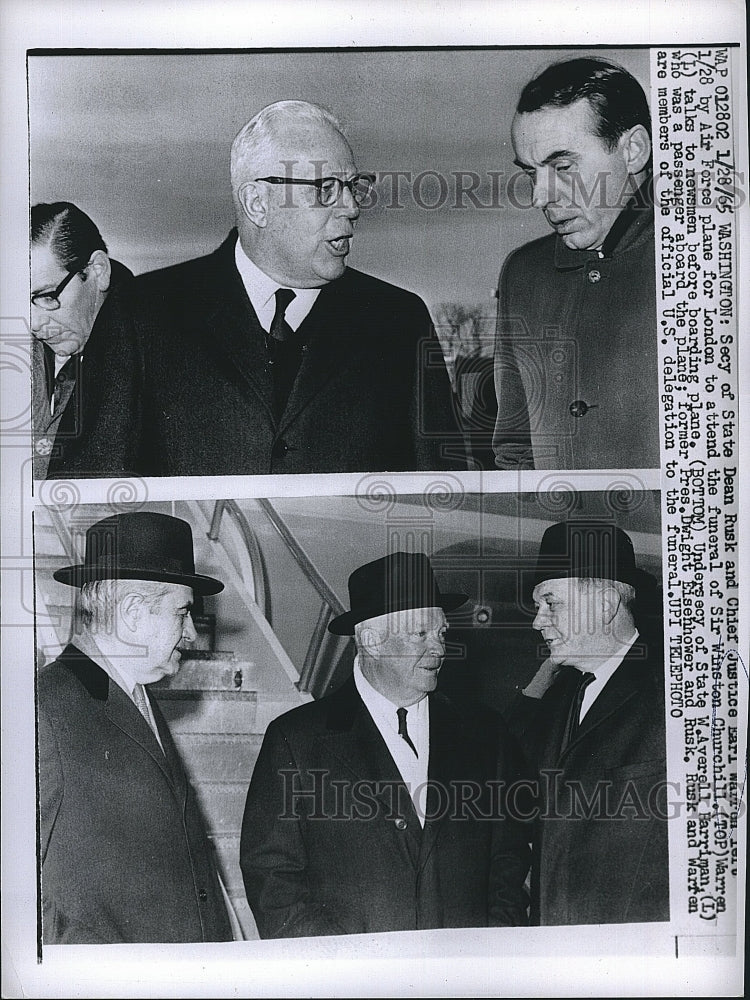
column 341, row 261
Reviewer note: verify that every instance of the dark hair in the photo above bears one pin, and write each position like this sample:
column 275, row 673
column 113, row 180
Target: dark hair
column 70, row 234
column 614, row 95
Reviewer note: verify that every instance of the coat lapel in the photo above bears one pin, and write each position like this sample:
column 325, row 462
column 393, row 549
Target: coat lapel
column 449, row 748
column 330, row 342
column 355, row 742
column 230, row 321
column 117, row 706
column 624, row 684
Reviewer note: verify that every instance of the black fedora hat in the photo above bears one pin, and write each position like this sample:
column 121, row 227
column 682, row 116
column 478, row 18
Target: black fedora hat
column 139, row 546
column 585, row 548
column 397, row 582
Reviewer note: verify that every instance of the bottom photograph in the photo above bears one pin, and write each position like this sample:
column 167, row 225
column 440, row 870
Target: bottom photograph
column 293, row 717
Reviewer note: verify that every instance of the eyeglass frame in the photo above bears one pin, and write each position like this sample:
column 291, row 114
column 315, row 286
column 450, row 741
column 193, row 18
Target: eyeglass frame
column 54, row 295
column 320, row 181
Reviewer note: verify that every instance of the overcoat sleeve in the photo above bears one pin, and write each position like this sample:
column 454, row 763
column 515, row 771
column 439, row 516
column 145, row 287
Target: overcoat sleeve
column 108, row 438
column 512, row 438
column 273, row 855
column 51, row 782
column 508, row 899
column 437, row 426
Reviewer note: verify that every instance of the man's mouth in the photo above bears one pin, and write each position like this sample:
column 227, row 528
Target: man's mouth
column 562, row 225
column 340, row 246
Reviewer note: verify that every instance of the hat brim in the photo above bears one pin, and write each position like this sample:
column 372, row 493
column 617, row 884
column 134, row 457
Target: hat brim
column 77, row 576
column 639, row 579
column 344, row 624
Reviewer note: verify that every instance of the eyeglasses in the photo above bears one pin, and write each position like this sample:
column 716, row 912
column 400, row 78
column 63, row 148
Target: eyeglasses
column 328, row 190
column 51, row 300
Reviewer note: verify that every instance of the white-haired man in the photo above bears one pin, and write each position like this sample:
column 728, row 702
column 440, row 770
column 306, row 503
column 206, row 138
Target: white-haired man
column 592, row 724
column 379, row 807
column 270, row 355
column 123, row 850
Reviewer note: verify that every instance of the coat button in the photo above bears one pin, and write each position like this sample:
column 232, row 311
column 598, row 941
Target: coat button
column 280, row 449
column 594, row 276
column 202, row 895
column 43, row 446
column 400, row 824
column 579, row 409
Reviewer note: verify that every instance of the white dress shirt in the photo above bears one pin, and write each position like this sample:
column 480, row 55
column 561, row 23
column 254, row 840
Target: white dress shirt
column 412, row 767
column 603, row 674
column 261, row 291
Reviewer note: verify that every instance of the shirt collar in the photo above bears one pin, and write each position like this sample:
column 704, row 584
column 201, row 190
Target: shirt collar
column 261, row 291
column 380, row 707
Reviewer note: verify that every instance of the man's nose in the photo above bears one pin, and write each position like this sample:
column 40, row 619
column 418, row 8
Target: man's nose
column 188, row 629
column 39, row 319
column 542, row 192
column 347, row 206
column 437, row 646
column 540, row 619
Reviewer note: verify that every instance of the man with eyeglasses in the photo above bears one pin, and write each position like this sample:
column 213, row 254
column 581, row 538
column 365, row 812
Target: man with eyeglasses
column 270, row 355
column 71, row 275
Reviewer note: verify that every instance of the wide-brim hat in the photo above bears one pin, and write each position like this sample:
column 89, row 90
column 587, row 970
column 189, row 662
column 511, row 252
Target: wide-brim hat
column 398, row 582
column 584, row 548
column 140, row 546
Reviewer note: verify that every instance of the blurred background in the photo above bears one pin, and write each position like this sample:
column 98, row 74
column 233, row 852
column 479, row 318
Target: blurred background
column 141, row 143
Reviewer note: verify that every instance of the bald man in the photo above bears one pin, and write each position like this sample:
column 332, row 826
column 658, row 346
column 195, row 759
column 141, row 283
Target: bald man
column 271, row 355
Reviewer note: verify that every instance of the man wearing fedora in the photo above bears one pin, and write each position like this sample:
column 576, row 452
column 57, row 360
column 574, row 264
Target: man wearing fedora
column 592, row 724
column 375, row 808
column 123, row 850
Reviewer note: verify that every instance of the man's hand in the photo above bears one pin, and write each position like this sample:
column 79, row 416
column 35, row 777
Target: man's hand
column 542, row 679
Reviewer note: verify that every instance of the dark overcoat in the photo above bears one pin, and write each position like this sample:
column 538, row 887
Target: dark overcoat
column 575, row 327
column 331, row 843
column 123, row 850
column 48, row 440
column 177, row 382
column 600, row 852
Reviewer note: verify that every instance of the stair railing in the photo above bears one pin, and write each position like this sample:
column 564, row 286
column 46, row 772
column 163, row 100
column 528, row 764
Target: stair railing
column 320, row 659
column 255, row 566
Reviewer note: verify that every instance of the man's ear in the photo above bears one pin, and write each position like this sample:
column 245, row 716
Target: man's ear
column 610, row 603
column 253, row 197
column 368, row 639
column 100, row 270
column 130, row 609
column 636, row 148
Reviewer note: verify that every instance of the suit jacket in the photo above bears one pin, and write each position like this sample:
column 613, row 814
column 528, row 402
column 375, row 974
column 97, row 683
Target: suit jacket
column 189, row 390
column 331, row 843
column 123, row 851
column 48, row 439
column 600, row 850
column 575, row 327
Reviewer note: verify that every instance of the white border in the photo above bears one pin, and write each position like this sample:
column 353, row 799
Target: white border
column 534, row 962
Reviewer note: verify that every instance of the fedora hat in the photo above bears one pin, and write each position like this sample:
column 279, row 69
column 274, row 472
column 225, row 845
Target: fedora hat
column 139, row 546
column 397, row 582
column 583, row 548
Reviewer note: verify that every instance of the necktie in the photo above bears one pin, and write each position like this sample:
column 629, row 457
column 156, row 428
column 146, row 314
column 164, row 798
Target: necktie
column 403, row 732
column 574, row 717
column 285, row 351
column 280, row 329
column 139, row 696
column 66, row 372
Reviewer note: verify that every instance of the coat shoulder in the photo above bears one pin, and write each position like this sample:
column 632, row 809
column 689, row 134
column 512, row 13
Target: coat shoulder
column 537, row 253
column 381, row 293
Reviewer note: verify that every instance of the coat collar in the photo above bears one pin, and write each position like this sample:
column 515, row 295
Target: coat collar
column 631, row 227
column 122, row 712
